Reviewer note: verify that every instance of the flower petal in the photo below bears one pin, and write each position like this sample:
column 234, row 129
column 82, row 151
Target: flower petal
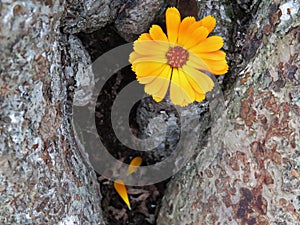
column 196, row 62
column 148, row 68
column 199, row 97
column 181, row 92
column 134, row 164
column 209, row 22
column 172, row 22
column 217, row 67
column 133, row 56
column 149, row 48
column 121, row 190
column 157, row 33
column 144, row 37
column 197, row 36
column 150, row 58
column 210, row 44
column 158, row 87
column 184, row 35
column 217, row 55
column 204, row 82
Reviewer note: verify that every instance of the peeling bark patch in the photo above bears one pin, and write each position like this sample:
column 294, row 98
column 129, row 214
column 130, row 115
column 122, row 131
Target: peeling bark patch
column 274, row 14
column 251, row 45
column 17, row 10
column 251, row 206
column 274, row 18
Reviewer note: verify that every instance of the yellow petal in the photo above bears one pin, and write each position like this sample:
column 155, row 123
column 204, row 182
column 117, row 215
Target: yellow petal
column 144, row 37
column 172, row 22
column 181, row 93
column 134, row 164
column 146, row 80
column 149, row 48
column 121, row 190
column 158, row 87
column 210, row 44
column 217, row 55
column 157, row 98
column 163, row 85
column 157, row 33
column 133, row 56
column 217, row 67
column 209, row 22
column 197, row 36
column 199, row 97
column 148, row 68
column 204, row 82
column 184, row 35
column 199, row 94
column 203, row 61
column 196, row 62
column 149, row 58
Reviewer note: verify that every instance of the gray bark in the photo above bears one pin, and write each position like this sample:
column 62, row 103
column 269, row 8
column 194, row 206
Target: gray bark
column 252, row 177
column 44, row 178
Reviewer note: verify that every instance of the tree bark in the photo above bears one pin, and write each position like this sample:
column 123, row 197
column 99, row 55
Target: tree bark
column 44, row 178
column 246, row 171
column 253, row 175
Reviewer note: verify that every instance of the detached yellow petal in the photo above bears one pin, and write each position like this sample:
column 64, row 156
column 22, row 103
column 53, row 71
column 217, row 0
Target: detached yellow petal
column 173, row 20
column 134, row 164
column 122, row 191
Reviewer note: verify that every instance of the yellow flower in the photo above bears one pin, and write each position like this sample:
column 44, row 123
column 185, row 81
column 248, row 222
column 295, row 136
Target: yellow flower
column 177, row 60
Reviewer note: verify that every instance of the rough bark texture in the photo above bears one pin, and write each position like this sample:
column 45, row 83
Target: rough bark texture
column 254, row 176
column 44, row 179
column 251, row 176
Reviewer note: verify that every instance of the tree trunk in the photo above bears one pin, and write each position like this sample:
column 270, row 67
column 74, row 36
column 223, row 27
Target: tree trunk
column 252, row 175
column 44, row 178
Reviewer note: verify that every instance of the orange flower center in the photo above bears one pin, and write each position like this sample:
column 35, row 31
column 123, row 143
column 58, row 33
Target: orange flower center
column 177, row 56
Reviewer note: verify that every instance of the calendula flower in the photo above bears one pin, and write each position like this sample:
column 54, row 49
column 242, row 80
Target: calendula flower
column 178, row 60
